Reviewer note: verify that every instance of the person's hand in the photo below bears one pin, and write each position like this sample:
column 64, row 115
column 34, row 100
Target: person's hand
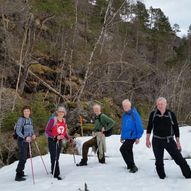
column 60, row 137
column 178, row 145
column 137, row 141
column 148, row 143
column 122, row 141
column 33, row 137
column 28, row 139
column 102, row 130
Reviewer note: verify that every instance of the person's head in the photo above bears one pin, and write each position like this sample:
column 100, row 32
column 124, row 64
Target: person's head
column 97, row 109
column 61, row 111
column 126, row 105
column 26, row 111
column 161, row 103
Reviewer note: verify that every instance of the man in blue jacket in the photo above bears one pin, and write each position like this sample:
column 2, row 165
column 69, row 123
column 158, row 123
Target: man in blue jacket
column 131, row 132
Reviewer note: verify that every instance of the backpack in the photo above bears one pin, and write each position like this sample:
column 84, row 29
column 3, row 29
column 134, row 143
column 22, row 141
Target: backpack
column 55, row 121
column 169, row 115
column 107, row 133
column 15, row 136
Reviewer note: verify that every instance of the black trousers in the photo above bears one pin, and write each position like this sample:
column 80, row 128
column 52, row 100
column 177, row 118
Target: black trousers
column 23, row 155
column 170, row 146
column 126, row 150
column 54, row 149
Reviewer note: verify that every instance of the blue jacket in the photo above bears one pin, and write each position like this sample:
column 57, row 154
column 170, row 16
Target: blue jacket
column 132, row 127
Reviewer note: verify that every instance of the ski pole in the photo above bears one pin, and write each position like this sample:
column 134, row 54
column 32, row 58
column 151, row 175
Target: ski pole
column 30, row 152
column 74, row 157
column 54, row 169
column 41, row 157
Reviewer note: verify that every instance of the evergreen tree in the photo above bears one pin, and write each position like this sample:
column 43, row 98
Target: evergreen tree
column 160, row 21
column 142, row 15
column 176, row 28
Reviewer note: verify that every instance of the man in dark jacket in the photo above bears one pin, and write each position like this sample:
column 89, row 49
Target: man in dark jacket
column 131, row 132
column 164, row 125
column 103, row 124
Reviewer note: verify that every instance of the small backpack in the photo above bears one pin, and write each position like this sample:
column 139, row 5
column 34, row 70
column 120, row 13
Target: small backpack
column 107, row 133
column 15, row 136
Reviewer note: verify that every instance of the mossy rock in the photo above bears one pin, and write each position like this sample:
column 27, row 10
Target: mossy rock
column 41, row 69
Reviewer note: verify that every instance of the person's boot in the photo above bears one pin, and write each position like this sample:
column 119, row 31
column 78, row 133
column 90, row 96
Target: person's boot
column 58, row 177
column 82, row 163
column 23, row 174
column 19, row 177
column 160, row 172
column 133, row 169
column 102, row 161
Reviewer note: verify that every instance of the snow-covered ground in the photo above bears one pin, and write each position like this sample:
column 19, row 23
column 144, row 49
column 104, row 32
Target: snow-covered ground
column 103, row 177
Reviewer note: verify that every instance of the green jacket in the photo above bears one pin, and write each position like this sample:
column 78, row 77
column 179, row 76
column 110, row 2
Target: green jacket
column 103, row 121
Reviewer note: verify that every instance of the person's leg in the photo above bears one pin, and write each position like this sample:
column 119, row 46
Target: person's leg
column 52, row 150
column 23, row 150
column 57, row 169
column 127, row 152
column 85, row 149
column 102, row 160
column 178, row 158
column 158, row 150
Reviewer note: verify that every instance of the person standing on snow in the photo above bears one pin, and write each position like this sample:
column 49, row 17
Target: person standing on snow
column 103, row 125
column 25, row 134
column 164, row 125
column 131, row 132
column 56, row 130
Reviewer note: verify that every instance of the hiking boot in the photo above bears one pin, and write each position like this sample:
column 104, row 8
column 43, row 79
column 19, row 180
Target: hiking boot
column 133, row 169
column 102, row 161
column 23, row 174
column 19, row 178
column 82, row 163
column 58, row 177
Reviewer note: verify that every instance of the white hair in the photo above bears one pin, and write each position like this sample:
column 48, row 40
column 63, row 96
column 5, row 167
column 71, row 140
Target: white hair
column 126, row 101
column 62, row 108
column 97, row 106
column 161, row 99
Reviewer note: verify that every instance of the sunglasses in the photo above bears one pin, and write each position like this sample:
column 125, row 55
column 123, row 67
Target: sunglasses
column 60, row 111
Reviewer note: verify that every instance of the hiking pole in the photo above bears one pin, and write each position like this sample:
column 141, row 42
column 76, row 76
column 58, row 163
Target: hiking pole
column 30, row 152
column 74, row 157
column 54, row 169
column 41, row 157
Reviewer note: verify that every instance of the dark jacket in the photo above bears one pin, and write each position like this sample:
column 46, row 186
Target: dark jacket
column 162, row 126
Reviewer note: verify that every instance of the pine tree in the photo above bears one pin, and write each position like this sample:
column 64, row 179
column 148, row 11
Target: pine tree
column 142, row 15
column 160, row 21
column 176, row 28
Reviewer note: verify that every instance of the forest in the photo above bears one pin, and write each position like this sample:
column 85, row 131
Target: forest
column 81, row 52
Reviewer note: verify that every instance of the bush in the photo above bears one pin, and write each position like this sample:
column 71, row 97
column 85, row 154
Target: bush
column 43, row 145
column 11, row 118
column 40, row 113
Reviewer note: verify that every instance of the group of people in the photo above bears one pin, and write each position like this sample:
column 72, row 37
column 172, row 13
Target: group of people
column 162, row 124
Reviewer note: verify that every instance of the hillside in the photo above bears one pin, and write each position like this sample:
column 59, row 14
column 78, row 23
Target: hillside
column 76, row 53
